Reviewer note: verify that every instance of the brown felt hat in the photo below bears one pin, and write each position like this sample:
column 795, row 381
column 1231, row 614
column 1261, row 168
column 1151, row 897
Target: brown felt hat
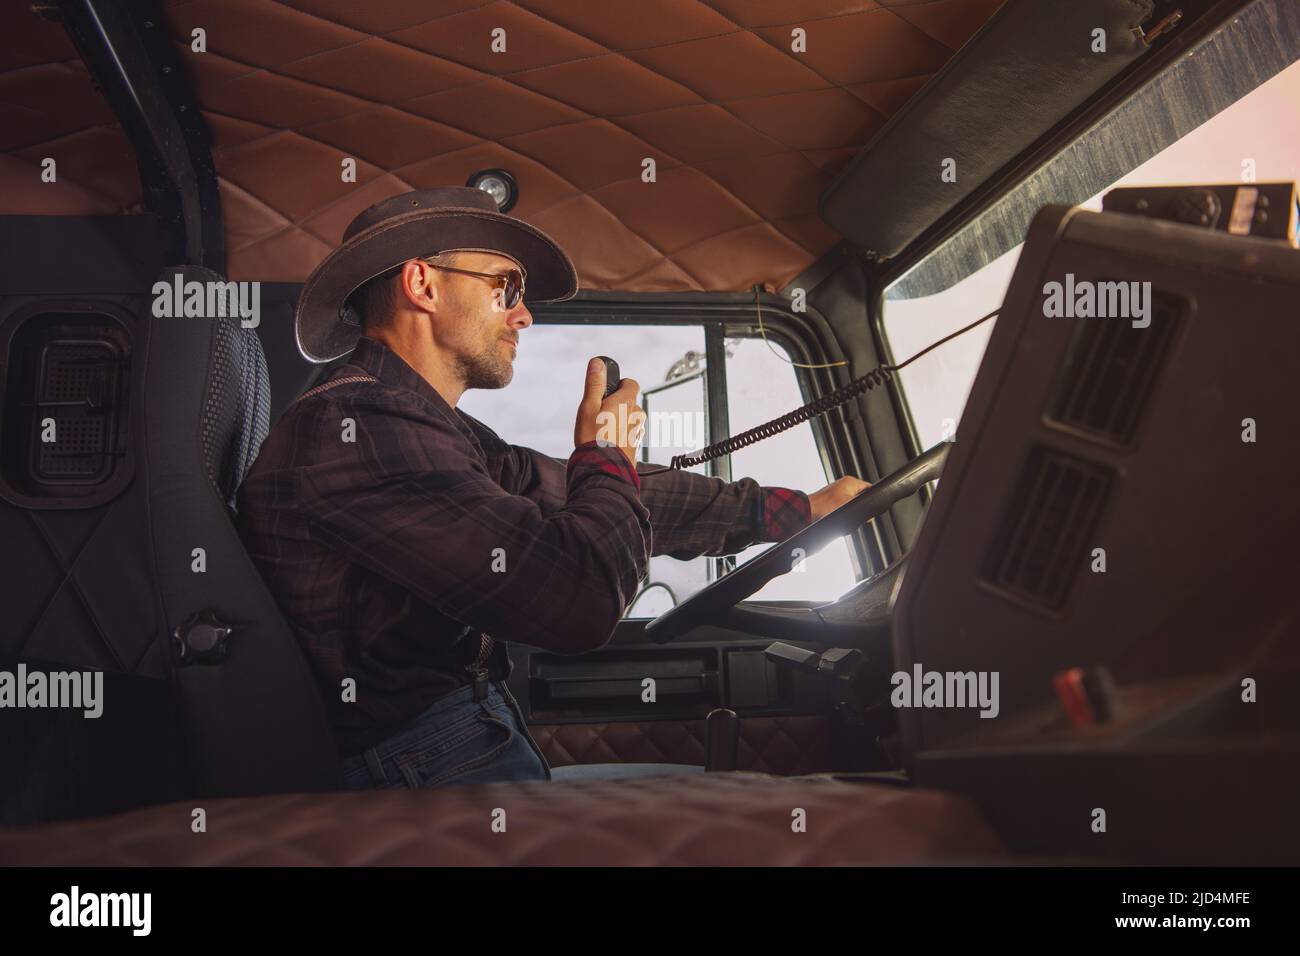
column 417, row 225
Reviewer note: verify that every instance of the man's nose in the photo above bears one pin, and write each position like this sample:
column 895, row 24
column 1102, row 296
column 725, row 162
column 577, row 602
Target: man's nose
column 520, row 317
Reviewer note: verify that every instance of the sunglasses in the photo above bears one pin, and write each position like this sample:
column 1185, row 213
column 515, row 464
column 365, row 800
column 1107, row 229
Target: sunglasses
column 511, row 283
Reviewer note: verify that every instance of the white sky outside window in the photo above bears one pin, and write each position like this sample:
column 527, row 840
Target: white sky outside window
column 537, row 409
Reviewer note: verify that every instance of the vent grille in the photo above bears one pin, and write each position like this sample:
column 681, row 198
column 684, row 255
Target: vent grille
column 72, row 369
column 77, row 387
column 1041, row 544
column 1110, row 368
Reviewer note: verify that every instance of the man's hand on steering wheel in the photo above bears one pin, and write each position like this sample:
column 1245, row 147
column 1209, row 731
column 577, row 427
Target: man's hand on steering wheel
column 838, row 492
column 844, row 506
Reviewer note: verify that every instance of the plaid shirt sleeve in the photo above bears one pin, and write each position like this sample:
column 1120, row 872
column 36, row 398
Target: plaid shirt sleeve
column 412, row 500
column 690, row 514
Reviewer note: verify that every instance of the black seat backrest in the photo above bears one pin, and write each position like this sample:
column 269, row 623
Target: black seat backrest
column 116, row 540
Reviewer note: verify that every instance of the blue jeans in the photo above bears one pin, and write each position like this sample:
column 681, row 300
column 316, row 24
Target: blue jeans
column 457, row 740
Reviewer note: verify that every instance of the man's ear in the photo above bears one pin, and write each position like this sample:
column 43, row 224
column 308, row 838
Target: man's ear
column 418, row 285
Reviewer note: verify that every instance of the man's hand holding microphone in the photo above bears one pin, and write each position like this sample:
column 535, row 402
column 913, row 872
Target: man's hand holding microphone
column 618, row 420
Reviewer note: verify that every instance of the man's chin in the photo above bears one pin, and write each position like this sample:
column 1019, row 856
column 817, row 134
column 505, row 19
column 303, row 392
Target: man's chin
column 498, row 379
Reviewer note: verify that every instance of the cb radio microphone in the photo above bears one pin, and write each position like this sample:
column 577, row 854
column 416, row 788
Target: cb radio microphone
column 612, row 379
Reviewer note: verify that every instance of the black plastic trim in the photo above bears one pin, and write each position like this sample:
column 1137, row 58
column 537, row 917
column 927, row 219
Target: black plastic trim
column 127, row 49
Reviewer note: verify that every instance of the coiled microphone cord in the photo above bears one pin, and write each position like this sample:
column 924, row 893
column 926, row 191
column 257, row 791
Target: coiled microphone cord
column 845, row 393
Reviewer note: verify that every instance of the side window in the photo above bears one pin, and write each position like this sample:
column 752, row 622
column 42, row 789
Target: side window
column 537, row 410
column 937, row 384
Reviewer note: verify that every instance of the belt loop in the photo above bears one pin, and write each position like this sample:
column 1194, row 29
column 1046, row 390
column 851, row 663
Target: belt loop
column 376, row 768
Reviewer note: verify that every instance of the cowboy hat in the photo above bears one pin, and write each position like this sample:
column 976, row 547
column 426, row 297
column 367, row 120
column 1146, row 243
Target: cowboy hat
column 417, row 225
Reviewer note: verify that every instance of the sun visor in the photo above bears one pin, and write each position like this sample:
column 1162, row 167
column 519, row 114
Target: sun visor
column 1031, row 65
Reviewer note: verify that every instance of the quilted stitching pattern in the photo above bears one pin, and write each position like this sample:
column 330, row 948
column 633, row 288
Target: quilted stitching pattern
column 696, row 819
column 745, row 133
column 778, row 745
column 51, row 109
column 57, row 606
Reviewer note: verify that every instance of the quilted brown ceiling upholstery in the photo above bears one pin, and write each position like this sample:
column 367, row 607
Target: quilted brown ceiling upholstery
column 745, row 132
column 49, row 108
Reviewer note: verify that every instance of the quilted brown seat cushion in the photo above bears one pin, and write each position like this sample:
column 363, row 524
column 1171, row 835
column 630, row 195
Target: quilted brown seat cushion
column 701, row 819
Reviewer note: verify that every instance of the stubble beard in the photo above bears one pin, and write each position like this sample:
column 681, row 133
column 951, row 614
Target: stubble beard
column 486, row 368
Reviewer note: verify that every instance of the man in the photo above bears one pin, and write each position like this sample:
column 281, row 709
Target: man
column 407, row 544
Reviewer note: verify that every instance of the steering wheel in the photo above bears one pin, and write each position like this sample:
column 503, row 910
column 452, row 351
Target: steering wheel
column 724, row 598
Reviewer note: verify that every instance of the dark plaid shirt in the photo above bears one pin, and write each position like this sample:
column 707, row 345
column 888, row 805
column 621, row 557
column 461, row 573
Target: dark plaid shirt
column 390, row 554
